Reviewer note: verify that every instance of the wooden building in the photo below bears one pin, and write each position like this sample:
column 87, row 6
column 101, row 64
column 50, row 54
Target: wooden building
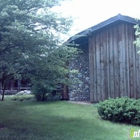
column 15, row 86
column 111, row 59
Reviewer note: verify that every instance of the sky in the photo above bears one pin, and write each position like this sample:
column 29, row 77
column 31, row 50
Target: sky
column 87, row 13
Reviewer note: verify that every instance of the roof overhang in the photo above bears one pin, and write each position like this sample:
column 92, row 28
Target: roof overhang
column 84, row 34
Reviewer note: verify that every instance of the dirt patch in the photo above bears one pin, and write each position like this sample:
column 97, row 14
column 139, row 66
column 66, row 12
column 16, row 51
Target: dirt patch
column 80, row 102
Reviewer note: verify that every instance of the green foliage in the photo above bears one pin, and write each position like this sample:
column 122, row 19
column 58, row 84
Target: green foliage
column 137, row 34
column 123, row 109
column 30, row 41
column 23, row 97
column 44, row 92
column 41, row 91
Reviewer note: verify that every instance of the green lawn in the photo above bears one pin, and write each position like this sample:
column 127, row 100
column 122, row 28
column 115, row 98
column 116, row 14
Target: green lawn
column 56, row 121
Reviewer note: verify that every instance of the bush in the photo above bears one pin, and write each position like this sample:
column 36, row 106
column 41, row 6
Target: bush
column 45, row 92
column 40, row 91
column 123, row 109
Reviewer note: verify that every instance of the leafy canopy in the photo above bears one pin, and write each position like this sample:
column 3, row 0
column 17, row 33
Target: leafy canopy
column 30, row 42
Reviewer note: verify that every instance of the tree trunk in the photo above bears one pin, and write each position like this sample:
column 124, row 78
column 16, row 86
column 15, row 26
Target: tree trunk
column 3, row 91
column 19, row 85
column 0, row 88
column 65, row 95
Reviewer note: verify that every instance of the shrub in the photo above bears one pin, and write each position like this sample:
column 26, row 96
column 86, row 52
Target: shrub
column 41, row 91
column 123, row 109
column 45, row 92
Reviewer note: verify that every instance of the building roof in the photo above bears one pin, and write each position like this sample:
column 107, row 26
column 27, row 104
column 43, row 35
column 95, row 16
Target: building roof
column 103, row 24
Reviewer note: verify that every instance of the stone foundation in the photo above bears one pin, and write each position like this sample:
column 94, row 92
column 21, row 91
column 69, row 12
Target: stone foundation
column 80, row 91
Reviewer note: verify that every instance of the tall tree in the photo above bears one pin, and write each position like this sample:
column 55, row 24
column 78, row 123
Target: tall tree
column 30, row 41
column 137, row 33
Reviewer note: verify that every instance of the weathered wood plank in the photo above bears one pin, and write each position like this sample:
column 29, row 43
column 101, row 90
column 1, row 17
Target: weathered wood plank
column 138, row 70
column 98, row 66
column 130, row 62
column 116, row 64
column 127, row 60
column 134, row 63
column 121, row 61
column 108, row 65
column 137, row 73
column 102, row 64
column 133, row 66
column 124, row 59
column 111, row 63
column 105, row 43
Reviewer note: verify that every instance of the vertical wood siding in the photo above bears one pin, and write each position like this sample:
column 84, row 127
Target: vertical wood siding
column 114, row 63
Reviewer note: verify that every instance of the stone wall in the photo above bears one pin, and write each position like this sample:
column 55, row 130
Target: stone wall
column 80, row 91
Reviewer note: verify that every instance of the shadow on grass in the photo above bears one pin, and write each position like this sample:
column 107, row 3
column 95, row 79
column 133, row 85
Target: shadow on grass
column 55, row 121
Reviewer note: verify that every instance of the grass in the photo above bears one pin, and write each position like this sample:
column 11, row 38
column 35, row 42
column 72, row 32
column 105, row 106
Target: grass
column 56, row 121
column 24, row 97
